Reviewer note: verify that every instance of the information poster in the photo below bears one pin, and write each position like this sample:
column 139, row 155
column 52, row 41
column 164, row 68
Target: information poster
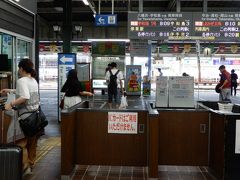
column 146, row 86
column 122, row 122
column 133, row 79
column 181, row 91
column 237, row 139
column 162, row 91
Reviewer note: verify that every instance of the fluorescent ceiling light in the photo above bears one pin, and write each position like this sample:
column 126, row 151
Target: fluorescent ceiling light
column 85, row 2
column 126, row 40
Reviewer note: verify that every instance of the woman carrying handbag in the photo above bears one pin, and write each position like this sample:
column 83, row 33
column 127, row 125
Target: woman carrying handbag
column 27, row 101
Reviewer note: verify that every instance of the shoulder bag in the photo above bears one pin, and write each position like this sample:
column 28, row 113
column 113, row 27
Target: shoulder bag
column 34, row 123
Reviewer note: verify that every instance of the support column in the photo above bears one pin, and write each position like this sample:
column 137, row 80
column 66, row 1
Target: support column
column 205, row 5
column 36, row 37
column 140, row 6
column 67, row 26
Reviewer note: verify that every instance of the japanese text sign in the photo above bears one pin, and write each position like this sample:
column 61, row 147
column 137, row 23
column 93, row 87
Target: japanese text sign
column 122, row 122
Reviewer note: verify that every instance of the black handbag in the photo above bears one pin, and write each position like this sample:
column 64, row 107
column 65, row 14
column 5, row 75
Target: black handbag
column 34, row 123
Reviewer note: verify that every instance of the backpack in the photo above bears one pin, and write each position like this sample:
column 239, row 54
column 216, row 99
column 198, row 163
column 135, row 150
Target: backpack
column 112, row 86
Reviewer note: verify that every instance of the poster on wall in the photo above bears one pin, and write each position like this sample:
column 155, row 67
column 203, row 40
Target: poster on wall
column 162, row 91
column 237, row 139
column 146, row 86
column 181, row 91
column 133, row 80
column 122, row 122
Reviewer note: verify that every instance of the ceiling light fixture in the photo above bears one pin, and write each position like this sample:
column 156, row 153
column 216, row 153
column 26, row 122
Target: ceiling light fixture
column 86, row 2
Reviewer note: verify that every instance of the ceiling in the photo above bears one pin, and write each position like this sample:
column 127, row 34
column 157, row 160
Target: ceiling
column 52, row 10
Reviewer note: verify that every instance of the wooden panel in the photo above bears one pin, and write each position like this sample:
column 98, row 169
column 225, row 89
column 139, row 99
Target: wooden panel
column 153, row 146
column 67, row 143
column 180, row 140
column 216, row 160
column 5, row 123
column 96, row 146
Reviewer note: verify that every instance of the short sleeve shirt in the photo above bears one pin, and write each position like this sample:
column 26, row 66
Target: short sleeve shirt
column 27, row 88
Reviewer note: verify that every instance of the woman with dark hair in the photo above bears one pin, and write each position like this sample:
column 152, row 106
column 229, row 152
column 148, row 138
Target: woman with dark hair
column 73, row 89
column 27, row 101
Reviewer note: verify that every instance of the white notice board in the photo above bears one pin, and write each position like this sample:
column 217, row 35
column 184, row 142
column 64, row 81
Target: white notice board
column 237, row 140
column 181, row 91
column 162, row 91
column 122, row 122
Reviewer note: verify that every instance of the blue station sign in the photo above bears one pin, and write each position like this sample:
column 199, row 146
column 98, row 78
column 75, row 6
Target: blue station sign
column 106, row 20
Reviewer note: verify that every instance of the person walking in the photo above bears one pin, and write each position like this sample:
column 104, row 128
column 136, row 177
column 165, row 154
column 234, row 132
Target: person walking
column 234, row 84
column 225, row 88
column 27, row 100
column 73, row 90
column 114, row 79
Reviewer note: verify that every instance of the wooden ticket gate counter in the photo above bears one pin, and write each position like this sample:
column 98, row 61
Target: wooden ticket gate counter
column 167, row 137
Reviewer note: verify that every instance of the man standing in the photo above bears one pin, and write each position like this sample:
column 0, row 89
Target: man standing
column 114, row 79
column 226, row 86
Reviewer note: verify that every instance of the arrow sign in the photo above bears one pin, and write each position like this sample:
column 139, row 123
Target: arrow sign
column 106, row 20
column 101, row 20
column 66, row 59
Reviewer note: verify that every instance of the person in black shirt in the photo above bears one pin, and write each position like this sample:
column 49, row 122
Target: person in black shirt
column 73, row 89
column 234, row 84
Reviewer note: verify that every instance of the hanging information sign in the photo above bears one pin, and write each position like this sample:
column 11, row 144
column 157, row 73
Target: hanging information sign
column 220, row 26
column 159, row 26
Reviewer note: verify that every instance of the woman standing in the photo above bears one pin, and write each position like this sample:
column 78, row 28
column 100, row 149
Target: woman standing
column 73, row 89
column 27, row 100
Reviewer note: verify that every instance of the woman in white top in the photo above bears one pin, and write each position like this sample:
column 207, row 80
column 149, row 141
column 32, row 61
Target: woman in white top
column 27, row 100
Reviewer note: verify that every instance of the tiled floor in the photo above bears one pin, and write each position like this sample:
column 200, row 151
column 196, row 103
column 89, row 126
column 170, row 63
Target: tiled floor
column 140, row 173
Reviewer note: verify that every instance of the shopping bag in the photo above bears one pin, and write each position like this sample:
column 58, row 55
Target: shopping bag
column 123, row 103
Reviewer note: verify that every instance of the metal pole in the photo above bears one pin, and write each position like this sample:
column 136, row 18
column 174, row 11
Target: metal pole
column 205, row 5
column 99, row 6
column 140, row 6
column 198, row 63
column 178, row 6
column 112, row 6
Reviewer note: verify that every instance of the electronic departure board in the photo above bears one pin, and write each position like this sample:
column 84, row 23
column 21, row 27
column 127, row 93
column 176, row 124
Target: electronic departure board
column 159, row 26
column 221, row 26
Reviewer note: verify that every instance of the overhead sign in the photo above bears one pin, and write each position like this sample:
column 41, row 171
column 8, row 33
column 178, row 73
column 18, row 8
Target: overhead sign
column 108, row 48
column 122, row 122
column 106, row 20
column 221, row 26
column 159, row 26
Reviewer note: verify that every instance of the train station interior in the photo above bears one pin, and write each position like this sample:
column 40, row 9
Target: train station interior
column 176, row 124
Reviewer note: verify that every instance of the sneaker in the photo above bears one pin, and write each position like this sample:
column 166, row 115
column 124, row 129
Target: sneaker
column 28, row 171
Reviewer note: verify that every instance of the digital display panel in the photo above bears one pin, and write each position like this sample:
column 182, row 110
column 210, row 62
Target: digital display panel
column 220, row 26
column 159, row 26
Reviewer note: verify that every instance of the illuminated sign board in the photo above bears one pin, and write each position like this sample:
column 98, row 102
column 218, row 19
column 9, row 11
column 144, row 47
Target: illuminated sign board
column 221, row 26
column 159, row 26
